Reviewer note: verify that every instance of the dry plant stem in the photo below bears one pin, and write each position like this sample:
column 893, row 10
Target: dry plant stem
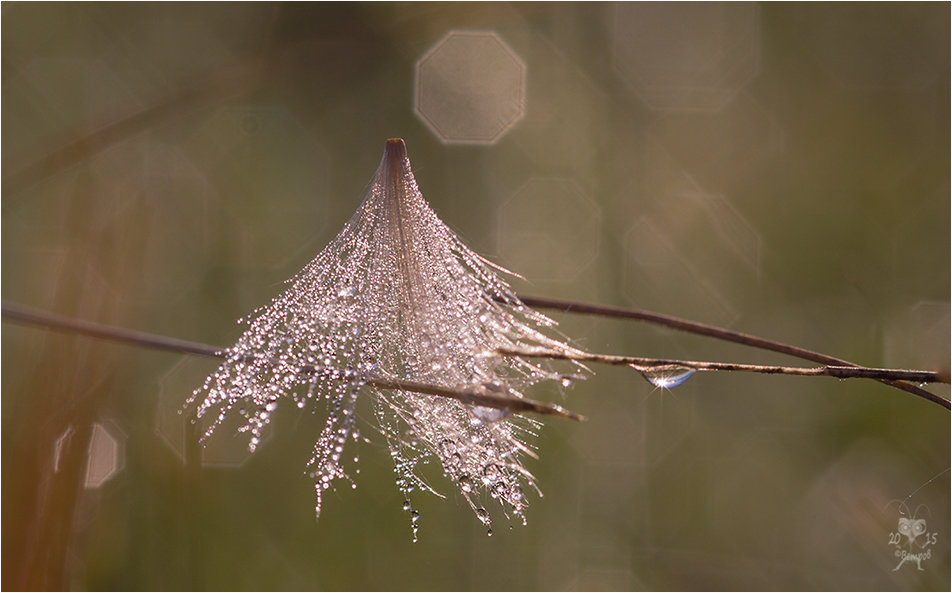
column 483, row 397
column 643, row 364
column 714, row 332
column 479, row 396
column 473, row 395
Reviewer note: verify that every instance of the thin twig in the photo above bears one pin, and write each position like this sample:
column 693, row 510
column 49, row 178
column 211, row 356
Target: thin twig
column 476, row 395
column 644, row 364
column 714, row 332
column 470, row 395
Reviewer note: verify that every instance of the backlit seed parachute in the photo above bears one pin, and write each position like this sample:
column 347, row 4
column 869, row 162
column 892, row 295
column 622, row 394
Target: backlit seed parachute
column 396, row 295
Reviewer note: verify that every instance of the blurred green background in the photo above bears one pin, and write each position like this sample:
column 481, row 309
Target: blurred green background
column 779, row 169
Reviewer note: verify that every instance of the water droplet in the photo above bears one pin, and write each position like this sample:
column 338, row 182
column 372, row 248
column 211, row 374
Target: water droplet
column 406, row 505
column 483, row 414
column 447, row 447
column 567, row 382
column 319, row 340
column 668, row 378
column 489, row 532
column 454, row 461
column 499, row 489
column 483, row 515
column 491, row 473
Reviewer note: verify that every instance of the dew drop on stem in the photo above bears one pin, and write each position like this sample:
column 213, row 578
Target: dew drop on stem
column 667, row 378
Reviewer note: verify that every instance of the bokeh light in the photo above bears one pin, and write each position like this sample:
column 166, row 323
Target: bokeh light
column 106, row 455
column 470, row 88
column 549, row 230
column 686, row 56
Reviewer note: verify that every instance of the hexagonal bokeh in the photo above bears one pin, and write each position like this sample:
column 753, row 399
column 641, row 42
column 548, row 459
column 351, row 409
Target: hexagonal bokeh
column 106, row 455
column 686, row 56
column 177, row 426
column 470, row 88
column 548, row 230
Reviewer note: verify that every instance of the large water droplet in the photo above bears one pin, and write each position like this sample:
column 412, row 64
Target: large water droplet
column 668, row 378
column 483, row 515
column 484, row 414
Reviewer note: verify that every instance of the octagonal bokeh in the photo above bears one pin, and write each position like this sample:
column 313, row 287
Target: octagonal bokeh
column 548, row 230
column 470, row 88
column 686, row 56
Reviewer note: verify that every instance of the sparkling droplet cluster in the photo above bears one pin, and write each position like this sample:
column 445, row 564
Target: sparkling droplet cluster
column 396, row 295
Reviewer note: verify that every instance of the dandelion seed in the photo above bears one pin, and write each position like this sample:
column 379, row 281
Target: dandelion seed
column 396, row 295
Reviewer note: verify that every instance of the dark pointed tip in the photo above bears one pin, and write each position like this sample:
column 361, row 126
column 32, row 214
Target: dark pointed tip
column 395, row 150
